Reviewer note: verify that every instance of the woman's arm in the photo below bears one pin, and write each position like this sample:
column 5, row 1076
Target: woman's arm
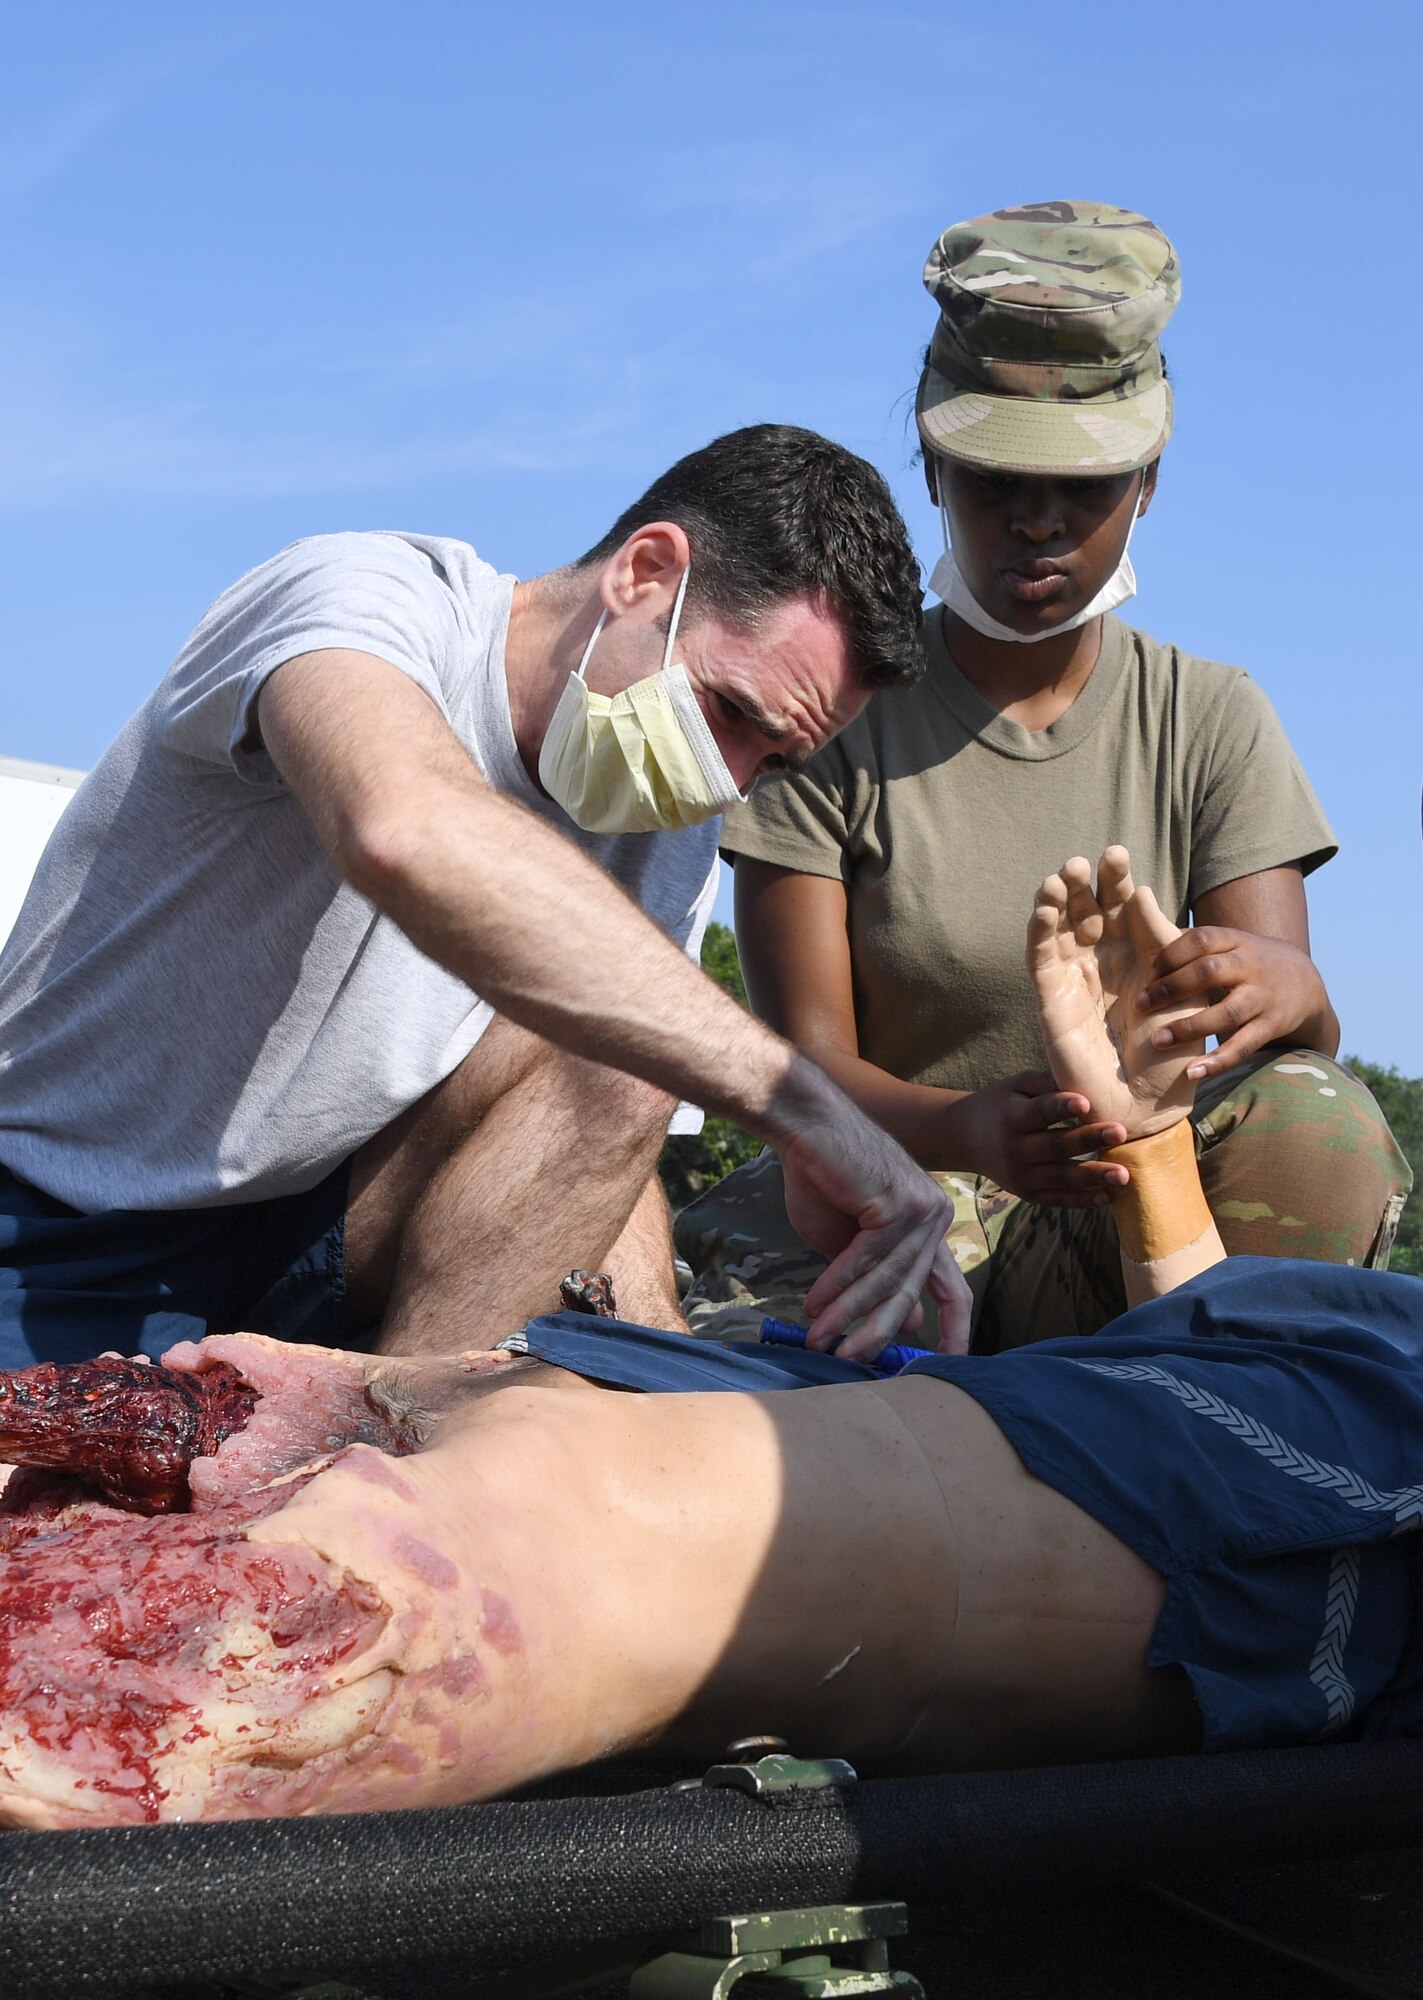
column 794, row 946
column 1246, row 964
column 793, row 939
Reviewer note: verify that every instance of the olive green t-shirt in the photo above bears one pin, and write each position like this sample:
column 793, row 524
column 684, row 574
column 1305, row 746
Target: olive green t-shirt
column 941, row 818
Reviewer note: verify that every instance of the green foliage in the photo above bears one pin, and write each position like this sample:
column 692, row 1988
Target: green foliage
column 1400, row 1099
column 692, row 1161
column 720, row 960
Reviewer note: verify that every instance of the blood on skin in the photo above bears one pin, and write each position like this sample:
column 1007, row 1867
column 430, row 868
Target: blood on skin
column 172, row 1664
column 104, row 1661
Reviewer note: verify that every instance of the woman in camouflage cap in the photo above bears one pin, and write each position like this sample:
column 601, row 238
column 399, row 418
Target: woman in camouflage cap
column 882, row 891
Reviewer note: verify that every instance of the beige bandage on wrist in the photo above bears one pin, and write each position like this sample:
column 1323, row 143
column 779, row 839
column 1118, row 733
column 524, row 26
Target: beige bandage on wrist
column 1162, row 1208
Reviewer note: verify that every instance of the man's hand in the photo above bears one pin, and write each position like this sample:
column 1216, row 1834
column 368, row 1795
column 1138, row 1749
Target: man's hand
column 856, row 1196
column 1029, row 1136
column 1090, row 958
column 1256, row 990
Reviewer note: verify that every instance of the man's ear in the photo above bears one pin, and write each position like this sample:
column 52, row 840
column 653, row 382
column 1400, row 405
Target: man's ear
column 1148, row 488
column 643, row 574
column 931, row 477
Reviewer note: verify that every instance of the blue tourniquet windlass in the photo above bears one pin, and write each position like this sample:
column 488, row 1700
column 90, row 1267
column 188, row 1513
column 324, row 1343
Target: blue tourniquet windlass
column 1256, row 1436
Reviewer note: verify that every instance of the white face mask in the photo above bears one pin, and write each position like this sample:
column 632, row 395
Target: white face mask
column 948, row 584
column 643, row 761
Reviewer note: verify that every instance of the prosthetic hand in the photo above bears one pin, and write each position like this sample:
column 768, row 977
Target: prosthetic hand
column 1089, row 957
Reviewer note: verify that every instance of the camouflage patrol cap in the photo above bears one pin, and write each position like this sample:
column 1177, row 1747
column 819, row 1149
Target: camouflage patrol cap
column 1045, row 358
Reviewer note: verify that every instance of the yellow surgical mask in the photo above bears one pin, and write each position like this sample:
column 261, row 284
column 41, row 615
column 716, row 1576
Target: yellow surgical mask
column 643, row 761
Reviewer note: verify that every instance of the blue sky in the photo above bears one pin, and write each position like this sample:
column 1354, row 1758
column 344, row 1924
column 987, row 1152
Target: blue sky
column 276, row 269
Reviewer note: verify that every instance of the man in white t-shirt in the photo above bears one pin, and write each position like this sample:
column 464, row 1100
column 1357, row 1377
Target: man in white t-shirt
column 347, row 1002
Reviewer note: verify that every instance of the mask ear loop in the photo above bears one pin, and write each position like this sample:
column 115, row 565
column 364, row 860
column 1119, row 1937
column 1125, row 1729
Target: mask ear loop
column 685, row 706
column 676, row 617
column 580, row 672
column 942, row 505
column 1124, row 557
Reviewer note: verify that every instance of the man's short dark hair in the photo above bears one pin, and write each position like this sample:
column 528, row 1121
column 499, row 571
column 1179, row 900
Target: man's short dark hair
column 774, row 512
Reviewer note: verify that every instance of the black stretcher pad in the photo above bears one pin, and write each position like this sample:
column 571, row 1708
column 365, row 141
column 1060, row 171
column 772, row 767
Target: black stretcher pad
column 404, row 1903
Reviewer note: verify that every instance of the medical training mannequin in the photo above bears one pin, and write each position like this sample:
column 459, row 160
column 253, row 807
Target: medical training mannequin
column 1090, row 957
column 563, row 1572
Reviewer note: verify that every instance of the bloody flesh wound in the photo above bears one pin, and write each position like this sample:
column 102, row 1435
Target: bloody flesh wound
column 113, row 1654
column 128, row 1429
column 290, row 1629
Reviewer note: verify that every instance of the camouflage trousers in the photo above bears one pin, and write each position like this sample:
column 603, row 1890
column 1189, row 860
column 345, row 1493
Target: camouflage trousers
column 1296, row 1160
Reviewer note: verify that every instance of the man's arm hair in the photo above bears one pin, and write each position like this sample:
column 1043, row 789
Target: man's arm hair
column 488, row 891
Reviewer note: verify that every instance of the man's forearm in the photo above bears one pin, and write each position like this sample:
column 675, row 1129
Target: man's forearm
column 550, row 940
column 487, row 890
column 929, row 1122
column 492, row 893
column 1164, row 1225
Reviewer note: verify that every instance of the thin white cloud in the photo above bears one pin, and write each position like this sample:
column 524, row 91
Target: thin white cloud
column 178, row 451
column 39, row 149
column 47, row 144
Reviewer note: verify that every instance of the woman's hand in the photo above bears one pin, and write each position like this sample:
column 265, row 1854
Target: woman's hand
column 1255, row 989
column 1029, row 1136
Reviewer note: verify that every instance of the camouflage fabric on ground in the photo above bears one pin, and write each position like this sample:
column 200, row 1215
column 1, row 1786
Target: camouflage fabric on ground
column 1296, row 1160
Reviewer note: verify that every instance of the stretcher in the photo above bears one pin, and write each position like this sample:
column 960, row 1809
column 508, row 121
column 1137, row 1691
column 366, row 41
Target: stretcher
column 1290, row 1872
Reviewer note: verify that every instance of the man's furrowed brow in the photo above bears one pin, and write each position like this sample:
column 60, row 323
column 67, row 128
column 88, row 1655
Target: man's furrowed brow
column 769, row 726
column 757, row 716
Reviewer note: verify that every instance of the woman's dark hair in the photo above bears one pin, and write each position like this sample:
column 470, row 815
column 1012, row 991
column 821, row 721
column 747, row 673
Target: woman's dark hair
column 774, row 512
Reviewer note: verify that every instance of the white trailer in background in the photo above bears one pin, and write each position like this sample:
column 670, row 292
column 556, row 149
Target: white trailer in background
column 32, row 797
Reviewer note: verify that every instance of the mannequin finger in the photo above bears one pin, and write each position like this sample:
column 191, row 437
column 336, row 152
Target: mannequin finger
column 1047, row 924
column 1044, row 926
column 1115, row 886
column 1147, row 923
column 1052, row 894
column 1084, row 912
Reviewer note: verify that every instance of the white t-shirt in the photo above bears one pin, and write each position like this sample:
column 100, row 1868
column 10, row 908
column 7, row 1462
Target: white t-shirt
column 194, row 1008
